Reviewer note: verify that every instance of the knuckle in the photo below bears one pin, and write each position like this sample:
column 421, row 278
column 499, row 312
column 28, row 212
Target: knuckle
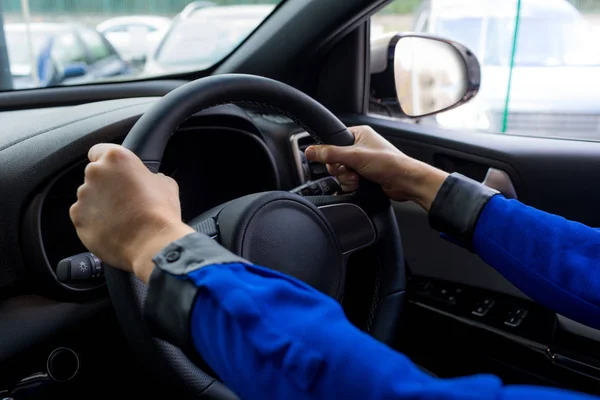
column 81, row 190
column 74, row 214
column 92, row 170
column 114, row 154
column 173, row 183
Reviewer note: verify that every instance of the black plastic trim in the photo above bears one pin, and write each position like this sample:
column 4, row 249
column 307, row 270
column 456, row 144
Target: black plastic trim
column 35, row 253
column 254, row 137
column 74, row 95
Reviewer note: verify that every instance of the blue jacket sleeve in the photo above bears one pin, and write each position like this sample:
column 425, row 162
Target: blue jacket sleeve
column 553, row 260
column 270, row 336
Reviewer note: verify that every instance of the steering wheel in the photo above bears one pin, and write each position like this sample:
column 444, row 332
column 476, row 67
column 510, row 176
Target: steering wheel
column 310, row 238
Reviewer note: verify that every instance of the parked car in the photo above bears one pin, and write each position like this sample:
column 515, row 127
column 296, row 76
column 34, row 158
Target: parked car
column 200, row 37
column 134, row 36
column 553, row 46
column 195, row 6
column 62, row 54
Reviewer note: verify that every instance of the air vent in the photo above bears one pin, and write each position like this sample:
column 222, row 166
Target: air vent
column 306, row 170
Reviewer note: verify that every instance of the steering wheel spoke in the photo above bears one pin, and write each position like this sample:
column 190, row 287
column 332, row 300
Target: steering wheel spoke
column 207, row 226
column 351, row 222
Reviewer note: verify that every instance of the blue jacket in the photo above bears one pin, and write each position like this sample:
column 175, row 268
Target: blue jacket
column 270, row 336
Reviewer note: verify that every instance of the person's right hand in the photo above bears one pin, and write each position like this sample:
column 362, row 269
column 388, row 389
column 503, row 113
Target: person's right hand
column 371, row 156
column 124, row 213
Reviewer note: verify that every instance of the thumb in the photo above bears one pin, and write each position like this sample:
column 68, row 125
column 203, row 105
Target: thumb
column 328, row 154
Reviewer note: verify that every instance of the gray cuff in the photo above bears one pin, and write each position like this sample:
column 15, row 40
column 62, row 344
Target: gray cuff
column 171, row 297
column 457, row 207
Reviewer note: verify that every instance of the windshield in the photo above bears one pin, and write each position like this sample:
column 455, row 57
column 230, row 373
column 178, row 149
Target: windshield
column 17, row 43
column 540, row 41
column 211, row 39
column 119, row 40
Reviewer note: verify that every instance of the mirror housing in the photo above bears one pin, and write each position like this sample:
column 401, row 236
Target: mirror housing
column 414, row 75
column 74, row 70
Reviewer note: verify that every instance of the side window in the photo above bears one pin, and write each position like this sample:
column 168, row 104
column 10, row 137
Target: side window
column 66, row 50
column 537, row 71
column 96, row 46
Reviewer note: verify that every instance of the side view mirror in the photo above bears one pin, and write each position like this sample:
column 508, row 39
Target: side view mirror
column 415, row 75
column 74, row 70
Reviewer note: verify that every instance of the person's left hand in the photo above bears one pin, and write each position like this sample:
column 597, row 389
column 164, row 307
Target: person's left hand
column 124, row 213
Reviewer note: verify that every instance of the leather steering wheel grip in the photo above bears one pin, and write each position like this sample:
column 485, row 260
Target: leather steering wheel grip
column 149, row 137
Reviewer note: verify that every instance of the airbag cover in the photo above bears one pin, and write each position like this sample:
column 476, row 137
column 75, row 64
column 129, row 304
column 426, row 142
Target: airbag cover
column 286, row 233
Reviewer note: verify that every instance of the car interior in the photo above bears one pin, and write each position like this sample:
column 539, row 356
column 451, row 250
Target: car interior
column 240, row 128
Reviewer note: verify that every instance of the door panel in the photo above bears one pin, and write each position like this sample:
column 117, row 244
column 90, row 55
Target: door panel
column 556, row 176
column 553, row 175
column 427, row 254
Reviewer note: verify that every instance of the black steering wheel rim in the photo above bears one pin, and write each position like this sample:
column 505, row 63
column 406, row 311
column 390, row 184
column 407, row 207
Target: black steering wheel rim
column 148, row 139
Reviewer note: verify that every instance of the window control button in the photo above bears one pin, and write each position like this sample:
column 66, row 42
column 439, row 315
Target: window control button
column 515, row 318
column 483, row 307
column 521, row 312
column 513, row 321
column 480, row 311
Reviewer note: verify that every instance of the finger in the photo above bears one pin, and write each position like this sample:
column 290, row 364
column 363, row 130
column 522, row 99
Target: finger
column 74, row 214
column 348, row 179
column 342, row 169
column 99, row 150
column 82, row 191
column 332, row 168
column 348, row 188
column 329, row 154
column 357, row 131
column 335, row 169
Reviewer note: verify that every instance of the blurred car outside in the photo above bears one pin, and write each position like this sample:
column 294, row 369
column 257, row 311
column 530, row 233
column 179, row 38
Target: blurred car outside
column 553, row 46
column 134, row 37
column 201, row 36
column 62, row 54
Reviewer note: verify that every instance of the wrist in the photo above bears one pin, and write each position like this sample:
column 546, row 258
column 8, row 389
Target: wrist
column 426, row 183
column 147, row 247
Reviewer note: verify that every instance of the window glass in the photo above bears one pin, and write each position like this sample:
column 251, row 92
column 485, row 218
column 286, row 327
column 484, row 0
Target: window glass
column 66, row 49
column 142, row 38
column 95, row 45
column 211, row 34
column 548, row 85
